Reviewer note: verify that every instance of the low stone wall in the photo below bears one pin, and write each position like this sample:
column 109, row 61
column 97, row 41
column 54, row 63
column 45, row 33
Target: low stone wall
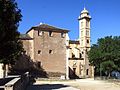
column 18, row 83
column 11, row 85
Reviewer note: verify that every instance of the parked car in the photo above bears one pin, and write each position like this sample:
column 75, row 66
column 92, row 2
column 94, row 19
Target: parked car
column 115, row 74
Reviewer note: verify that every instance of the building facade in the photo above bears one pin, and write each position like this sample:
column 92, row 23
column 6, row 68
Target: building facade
column 46, row 46
column 52, row 50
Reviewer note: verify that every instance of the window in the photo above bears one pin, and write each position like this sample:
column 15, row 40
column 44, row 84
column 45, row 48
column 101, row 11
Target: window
column 82, row 52
column 87, row 23
column 87, row 41
column 39, row 51
column 80, row 55
column 50, row 51
column 40, row 33
column 87, row 71
column 39, row 64
column 50, row 33
column 87, row 33
column 81, row 24
column 73, row 55
column 81, row 33
column 81, row 42
column 62, row 35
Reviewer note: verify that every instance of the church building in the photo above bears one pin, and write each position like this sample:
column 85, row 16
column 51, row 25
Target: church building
column 78, row 50
column 50, row 48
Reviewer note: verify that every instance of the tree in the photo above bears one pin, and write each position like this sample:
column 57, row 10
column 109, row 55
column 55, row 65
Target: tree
column 10, row 46
column 105, row 55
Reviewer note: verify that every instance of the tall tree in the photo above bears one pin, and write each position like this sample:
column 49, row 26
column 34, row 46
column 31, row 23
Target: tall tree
column 10, row 46
column 105, row 55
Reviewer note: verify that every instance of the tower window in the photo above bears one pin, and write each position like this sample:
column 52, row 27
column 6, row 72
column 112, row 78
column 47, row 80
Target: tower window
column 87, row 41
column 87, row 23
column 50, row 51
column 50, row 33
column 87, row 33
column 81, row 24
column 81, row 42
column 81, row 33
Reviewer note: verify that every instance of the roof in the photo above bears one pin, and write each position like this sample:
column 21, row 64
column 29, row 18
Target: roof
column 25, row 37
column 46, row 27
column 73, row 42
column 84, row 11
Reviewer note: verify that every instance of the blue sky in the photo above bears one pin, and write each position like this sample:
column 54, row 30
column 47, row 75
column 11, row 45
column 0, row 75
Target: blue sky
column 64, row 14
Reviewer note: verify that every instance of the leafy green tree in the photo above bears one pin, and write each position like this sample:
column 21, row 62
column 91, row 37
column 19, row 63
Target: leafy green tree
column 108, row 66
column 10, row 46
column 105, row 55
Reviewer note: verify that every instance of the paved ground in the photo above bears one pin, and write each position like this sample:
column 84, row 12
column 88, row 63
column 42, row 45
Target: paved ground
column 51, row 85
column 79, row 84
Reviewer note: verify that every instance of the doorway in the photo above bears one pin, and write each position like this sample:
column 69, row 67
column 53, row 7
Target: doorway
column 74, row 71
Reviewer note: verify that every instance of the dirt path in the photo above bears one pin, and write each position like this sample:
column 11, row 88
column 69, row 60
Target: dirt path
column 91, row 84
column 80, row 84
column 51, row 85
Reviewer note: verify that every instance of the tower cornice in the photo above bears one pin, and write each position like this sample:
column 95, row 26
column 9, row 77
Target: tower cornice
column 85, row 17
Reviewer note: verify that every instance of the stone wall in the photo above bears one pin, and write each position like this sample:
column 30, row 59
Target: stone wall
column 16, row 83
column 50, row 51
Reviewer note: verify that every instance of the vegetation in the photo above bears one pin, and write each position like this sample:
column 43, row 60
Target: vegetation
column 10, row 46
column 105, row 55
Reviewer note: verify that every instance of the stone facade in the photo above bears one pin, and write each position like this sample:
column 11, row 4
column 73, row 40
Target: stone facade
column 47, row 48
column 52, row 50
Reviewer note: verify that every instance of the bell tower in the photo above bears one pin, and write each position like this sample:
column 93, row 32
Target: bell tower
column 84, row 38
column 84, row 29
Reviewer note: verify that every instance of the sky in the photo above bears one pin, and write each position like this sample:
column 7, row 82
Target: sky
column 64, row 14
